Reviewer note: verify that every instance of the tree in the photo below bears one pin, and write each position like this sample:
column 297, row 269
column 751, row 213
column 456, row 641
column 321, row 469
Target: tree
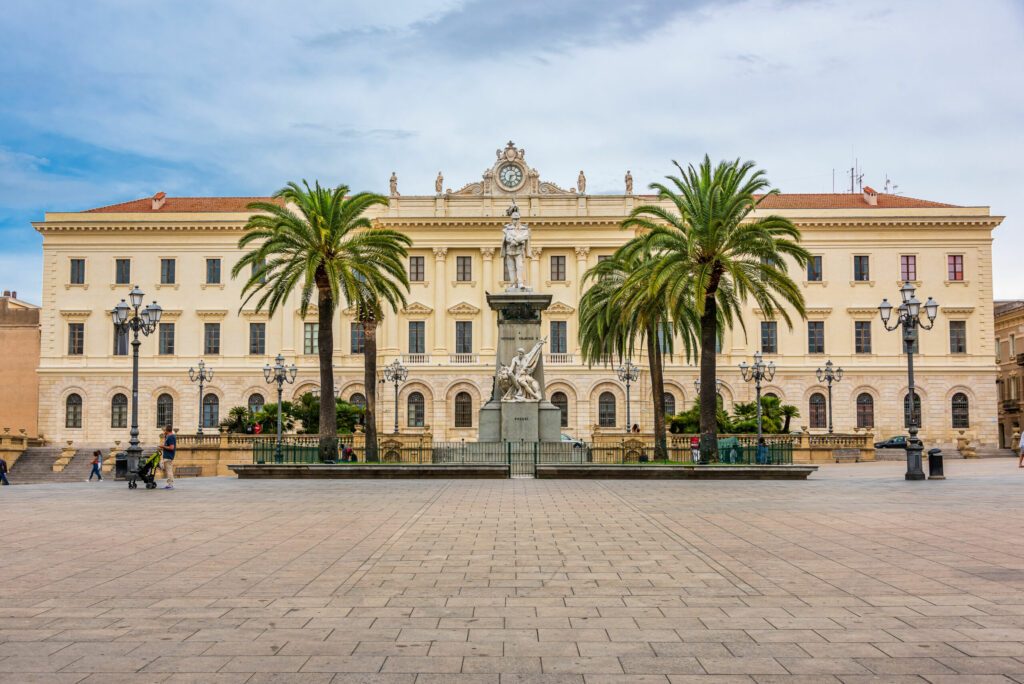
column 712, row 256
column 307, row 410
column 620, row 311
column 319, row 240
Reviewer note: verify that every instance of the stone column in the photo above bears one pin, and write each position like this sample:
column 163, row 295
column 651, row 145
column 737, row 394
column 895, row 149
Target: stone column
column 581, row 267
column 440, row 288
column 535, row 268
column 487, row 317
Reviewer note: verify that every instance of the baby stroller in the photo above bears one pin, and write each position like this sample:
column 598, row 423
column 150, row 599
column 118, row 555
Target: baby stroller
column 145, row 470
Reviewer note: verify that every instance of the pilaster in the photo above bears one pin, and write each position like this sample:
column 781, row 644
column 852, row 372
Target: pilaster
column 440, row 290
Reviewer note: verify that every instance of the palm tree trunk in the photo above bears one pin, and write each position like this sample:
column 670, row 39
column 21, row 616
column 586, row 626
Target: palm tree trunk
column 708, row 388
column 370, row 385
column 328, row 446
column 658, row 389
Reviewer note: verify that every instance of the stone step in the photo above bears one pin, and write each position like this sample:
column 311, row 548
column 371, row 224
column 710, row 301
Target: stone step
column 35, row 466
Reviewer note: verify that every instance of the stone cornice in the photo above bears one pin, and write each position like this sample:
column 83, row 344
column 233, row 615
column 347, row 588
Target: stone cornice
column 75, row 314
column 212, row 313
column 560, row 308
column 862, row 310
column 170, row 313
column 463, row 309
column 417, row 309
column 956, row 309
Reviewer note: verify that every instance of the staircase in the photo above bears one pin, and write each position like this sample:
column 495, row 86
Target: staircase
column 35, row 466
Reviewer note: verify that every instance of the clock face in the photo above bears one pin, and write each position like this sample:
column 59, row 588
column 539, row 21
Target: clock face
column 510, row 175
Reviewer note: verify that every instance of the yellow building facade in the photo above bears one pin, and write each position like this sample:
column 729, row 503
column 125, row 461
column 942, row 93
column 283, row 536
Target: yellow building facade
column 180, row 251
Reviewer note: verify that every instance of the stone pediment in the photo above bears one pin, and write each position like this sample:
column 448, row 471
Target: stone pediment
column 463, row 309
column 416, row 308
column 560, row 308
column 509, row 176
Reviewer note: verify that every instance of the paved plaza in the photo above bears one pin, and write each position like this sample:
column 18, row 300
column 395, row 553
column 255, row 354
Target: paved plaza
column 852, row 576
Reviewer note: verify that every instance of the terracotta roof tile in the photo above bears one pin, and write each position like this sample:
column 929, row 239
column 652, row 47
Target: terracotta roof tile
column 183, row 205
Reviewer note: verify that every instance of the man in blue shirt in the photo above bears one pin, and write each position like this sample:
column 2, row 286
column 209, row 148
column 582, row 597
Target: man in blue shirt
column 168, row 448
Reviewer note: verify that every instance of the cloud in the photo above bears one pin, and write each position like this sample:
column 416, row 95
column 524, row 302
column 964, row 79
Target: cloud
column 116, row 100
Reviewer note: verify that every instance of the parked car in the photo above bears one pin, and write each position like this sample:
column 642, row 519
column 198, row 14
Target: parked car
column 897, row 442
column 576, row 443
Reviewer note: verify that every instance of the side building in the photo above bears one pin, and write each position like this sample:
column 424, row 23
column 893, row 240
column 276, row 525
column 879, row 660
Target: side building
column 180, row 251
column 19, row 359
column 1009, row 317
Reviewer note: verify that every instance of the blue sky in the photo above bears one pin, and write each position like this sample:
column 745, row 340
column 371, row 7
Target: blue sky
column 105, row 101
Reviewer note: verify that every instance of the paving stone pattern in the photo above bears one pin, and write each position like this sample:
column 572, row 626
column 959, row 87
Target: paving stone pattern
column 853, row 576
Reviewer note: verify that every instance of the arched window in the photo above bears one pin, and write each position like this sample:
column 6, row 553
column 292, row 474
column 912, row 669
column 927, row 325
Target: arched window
column 670, row 404
column 211, row 411
column 906, row 409
column 415, row 410
column 562, row 402
column 606, row 410
column 119, row 411
column 164, row 410
column 865, row 410
column 961, row 411
column 817, row 410
column 256, row 402
column 73, row 411
column 770, row 394
column 463, row 410
column 359, row 399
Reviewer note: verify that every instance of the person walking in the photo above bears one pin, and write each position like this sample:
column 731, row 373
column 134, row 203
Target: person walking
column 1020, row 448
column 167, row 454
column 97, row 462
column 3, row 472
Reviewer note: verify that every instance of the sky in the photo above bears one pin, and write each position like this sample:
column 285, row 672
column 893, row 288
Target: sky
column 111, row 100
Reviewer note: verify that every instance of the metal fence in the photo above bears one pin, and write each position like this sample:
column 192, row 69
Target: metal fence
column 519, row 455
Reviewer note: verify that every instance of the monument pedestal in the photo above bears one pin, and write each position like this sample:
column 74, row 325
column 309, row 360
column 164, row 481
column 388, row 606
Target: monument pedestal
column 519, row 327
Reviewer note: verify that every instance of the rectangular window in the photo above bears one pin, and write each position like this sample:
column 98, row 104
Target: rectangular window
column 814, row 269
column 908, row 267
column 958, row 337
column 120, row 341
column 416, row 269
column 559, row 338
column 258, row 339
column 769, row 337
column 166, row 339
column 664, row 337
column 862, row 337
column 861, row 268
column 357, row 338
column 463, row 269
column 463, row 337
column 76, row 339
column 558, row 268
column 257, row 268
column 603, row 257
column 122, row 271
column 167, row 271
column 77, row 272
column 417, row 337
column 956, row 266
column 815, row 337
column 213, row 271
column 211, row 338
column 310, row 338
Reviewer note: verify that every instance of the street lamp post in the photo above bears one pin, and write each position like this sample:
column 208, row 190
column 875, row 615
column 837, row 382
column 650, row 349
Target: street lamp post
column 829, row 374
column 280, row 374
column 628, row 373
column 757, row 372
column 128, row 317
column 718, row 385
column 397, row 373
column 909, row 318
column 202, row 376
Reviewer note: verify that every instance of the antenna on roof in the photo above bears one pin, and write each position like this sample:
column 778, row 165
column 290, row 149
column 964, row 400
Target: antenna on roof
column 890, row 187
column 856, row 178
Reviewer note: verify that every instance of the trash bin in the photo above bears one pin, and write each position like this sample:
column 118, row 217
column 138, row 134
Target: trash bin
column 121, row 465
column 935, row 465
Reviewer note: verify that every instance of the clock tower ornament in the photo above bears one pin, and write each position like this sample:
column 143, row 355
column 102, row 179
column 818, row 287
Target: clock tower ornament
column 510, row 176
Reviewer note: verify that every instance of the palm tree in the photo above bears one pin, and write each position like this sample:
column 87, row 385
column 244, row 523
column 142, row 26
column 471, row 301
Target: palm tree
column 319, row 240
column 619, row 311
column 712, row 256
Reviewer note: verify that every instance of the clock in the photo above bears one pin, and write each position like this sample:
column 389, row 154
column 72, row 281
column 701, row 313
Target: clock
column 510, row 176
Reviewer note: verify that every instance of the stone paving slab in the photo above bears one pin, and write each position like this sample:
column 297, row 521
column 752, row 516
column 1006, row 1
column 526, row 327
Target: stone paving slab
column 852, row 576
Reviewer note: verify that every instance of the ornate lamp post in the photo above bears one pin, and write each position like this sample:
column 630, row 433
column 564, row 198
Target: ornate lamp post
column 628, row 373
column 909, row 317
column 128, row 317
column 718, row 385
column 280, row 374
column 397, row 373
column 829, row 374
column 202, row 376
column 757, row 372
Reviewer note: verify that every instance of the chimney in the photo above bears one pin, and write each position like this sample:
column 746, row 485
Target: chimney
column 14, row 294
column 870, row 196
column 159, row 199
column 7, row 293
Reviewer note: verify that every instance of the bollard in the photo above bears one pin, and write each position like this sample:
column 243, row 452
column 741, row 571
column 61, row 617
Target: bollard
column 935, row 465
